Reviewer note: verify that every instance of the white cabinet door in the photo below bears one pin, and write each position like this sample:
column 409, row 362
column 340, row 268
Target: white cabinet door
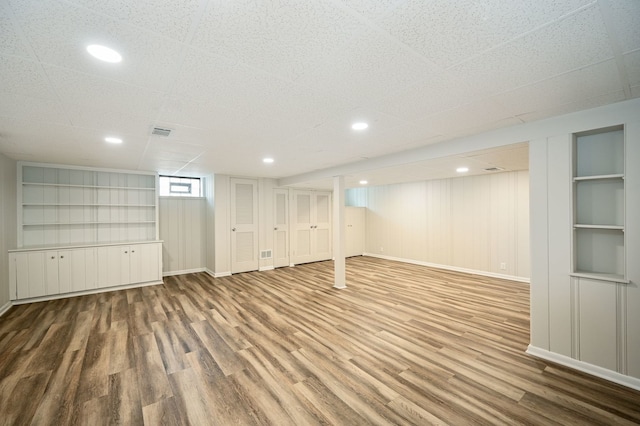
column 64, row 271
column 90, row 270
column 78, row 268
column 51, row 282
column 28, row 274
column 112, row 261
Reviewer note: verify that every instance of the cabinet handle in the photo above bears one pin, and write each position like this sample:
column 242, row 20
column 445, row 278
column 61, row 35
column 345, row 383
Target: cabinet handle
column 133, row 251
column 125, row 252
column 233, row 229
column 53, row 257
column 61, row 257
column 275, row 229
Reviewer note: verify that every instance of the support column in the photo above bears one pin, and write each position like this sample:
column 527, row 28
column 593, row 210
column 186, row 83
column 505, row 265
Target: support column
column 339, row 233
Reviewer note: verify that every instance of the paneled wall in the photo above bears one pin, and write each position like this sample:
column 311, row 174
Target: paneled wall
column 478, row 223
column 8, row 232
column 183, row 230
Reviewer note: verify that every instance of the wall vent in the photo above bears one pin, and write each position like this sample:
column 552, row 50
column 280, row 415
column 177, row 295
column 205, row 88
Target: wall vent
column 265, row 254
column 158, row 131
column 494, row 169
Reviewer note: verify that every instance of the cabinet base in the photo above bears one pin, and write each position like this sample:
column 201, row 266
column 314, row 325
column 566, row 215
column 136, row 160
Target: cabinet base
column 84, row 292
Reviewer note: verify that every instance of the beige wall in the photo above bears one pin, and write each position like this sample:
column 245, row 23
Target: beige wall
column 475, row 222
column 182, row 228
column 8, row 233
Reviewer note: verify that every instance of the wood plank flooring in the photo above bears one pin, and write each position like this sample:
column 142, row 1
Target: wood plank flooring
column 403, row 344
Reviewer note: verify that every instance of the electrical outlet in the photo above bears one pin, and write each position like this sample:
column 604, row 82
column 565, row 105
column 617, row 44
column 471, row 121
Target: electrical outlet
column 503, row 266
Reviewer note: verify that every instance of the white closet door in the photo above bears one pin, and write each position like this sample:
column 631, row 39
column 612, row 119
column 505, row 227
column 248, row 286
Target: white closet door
column 244, row 225
column 302, row 228
column 281, row 228
column 322, row 226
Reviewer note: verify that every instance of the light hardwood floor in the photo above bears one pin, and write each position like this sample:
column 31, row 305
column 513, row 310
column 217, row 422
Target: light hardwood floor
column 403, row 344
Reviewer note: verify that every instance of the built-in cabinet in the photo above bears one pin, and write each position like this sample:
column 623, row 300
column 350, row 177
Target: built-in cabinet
column 82, row 229
column 39, row 273
column 599, row 202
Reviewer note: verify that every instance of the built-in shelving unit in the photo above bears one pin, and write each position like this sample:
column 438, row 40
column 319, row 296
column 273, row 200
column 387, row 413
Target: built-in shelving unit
column 598, row 204
column 63, row 205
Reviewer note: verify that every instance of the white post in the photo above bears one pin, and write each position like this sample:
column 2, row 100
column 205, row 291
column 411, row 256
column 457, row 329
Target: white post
column 339, row 232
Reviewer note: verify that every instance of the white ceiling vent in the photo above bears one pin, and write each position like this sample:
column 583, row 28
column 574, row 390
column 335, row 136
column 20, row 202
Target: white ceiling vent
column 158, row 131
column 494, row 169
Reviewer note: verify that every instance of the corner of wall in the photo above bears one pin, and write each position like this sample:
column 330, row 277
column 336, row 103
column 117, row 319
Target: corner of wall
column 8, row 220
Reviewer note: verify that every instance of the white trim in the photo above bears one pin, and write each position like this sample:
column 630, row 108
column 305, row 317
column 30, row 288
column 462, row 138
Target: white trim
column 585, row 367
column 451, row 268
column 210, row 272
column 4, row 308
column 183, row 272
column 265, row 268
column 85, row 292
column 222, row 274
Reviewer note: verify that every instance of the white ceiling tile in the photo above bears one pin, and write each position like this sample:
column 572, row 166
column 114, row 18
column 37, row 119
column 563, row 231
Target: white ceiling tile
column 205, row 113
column 632, row 67
column 25, row 77
column 280, row 36
column 32, row 109
column 93, row 139
column 594, row 102
column 370, row 9
column 148, row 60
column 576, row 86
column 448, row 32
column 167, row 17
column 626, row 18
column 11, row 42
column 76, row 88
column 575, row 42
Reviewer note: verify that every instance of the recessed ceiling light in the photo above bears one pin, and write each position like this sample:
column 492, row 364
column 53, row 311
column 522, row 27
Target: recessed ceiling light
column 104, row 53
column 112, row 139
column 462, row 169
column 359, row 126
column 363, row 182
column 267, row 160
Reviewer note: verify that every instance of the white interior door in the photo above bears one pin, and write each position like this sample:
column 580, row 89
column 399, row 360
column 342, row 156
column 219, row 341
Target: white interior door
column 281, row 228
column 302, row 228
column 244, row 225
column 322, row 226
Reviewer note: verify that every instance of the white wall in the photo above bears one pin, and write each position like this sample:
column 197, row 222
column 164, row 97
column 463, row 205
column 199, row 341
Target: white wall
column 474, row 223
column 589, row 324
column 8, row 228
column 183, row 230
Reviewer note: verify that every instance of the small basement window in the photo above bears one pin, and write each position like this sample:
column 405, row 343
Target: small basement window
column 173, row 186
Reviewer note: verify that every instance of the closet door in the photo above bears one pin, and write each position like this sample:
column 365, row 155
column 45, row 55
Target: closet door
column 244, row 225
column 322, row 226
column 303, row 228
column 281, row 228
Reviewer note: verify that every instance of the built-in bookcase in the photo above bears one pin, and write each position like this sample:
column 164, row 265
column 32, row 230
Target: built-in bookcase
column 599, row 204
column 64, row 206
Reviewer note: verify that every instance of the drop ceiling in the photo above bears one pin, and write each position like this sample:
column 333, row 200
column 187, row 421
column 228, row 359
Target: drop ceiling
column 237, row 81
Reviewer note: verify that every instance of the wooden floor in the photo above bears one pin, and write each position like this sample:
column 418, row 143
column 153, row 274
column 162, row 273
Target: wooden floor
column 403, row 344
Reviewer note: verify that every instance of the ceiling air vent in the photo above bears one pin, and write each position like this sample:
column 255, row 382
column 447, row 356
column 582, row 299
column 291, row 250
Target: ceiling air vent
column 494, row 169
column 157, row 131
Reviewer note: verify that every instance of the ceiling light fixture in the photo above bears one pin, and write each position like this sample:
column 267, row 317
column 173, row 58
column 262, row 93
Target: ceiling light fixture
column 267, row 160
column 359, row 126
column 462, row 169
column 363, row 182
column 104, row 53
column 112, row 139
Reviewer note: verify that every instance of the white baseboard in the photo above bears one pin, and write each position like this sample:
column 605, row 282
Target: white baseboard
column 183, row 272
column 451, row 268
column 266, row 268
column 585, row 367
column 222, row 274
column 85, row 292
column 4, row 308
column 210, row 272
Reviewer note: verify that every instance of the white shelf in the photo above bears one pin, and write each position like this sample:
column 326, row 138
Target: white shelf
column 598, row 177
column 617, row 278
column 64, row 185
column 61, row 206
column 585, row 226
